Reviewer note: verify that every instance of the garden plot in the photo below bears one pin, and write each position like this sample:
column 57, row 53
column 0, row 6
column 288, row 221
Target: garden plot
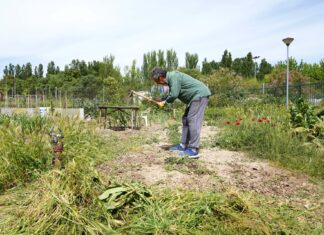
column 216, row 170
column 222, row 191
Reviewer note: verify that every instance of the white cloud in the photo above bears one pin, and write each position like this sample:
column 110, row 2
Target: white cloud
column 40, row 31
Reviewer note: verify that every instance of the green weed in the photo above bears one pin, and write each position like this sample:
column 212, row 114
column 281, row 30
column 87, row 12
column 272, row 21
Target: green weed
column 266, row 132
column 176, row 212
column 173, row 133
column 23, row 149
column 186, row 165
column 75, row 200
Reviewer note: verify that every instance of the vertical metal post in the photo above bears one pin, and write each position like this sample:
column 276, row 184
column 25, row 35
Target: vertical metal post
column 56, row 96
column 60, row 98
column 287, row 79
column 36, row 100
column 103, row 94
column 6, row 99
column 43, row 98
column 255, row 58
column 132, row 119
column 65, row 106
column 287, row 41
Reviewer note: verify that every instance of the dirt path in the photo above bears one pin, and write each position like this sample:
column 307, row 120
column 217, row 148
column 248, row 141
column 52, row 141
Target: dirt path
column 216, row 169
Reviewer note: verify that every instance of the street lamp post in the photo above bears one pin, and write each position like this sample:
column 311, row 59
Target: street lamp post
column 255, row 57
column 287, row 41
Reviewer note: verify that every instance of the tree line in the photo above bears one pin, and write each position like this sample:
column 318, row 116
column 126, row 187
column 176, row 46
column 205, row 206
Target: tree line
column 104, row 78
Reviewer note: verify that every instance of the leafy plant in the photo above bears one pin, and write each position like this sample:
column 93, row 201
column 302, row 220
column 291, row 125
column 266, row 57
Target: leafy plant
column 302, row 114
column 119, row 196
column 90, row 107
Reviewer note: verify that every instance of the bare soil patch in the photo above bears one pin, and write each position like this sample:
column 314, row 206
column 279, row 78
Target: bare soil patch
column 216, row 169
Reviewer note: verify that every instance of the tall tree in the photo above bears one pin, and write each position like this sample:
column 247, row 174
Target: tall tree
column 171, row 60
column 40, row 71
column 161, row 61
column 191, row 60
column 133, row 71
column 28, row 70
column 18, row 71
column 145, row 67
column 36, row 71
column 152, row 60
column 107, row 66
column 321, row 70
column 73, row 69
column 226, row 61
column 265, row 68
column 23, row 72
column 237, row 65
column 83, row 68
column 94, row 67
column 248, row 66
column 51, row 68
column 11, row 71
column 209, row 67
column 149, row 62
column 6, row 71
column 206, row 67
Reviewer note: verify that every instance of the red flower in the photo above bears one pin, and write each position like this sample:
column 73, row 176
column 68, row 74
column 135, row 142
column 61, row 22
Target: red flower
column 228, row 122
column 267, row 120
column 259, row 120
column 237, row 123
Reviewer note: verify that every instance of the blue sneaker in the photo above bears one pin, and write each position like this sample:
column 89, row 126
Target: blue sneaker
column 177, row 147
column 190, row 153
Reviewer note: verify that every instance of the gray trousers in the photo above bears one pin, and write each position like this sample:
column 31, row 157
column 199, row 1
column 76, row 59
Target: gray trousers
column 192, row 122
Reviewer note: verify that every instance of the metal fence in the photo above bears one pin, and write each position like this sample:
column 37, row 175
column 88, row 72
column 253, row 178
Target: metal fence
column 60, row 100
column 313, row 92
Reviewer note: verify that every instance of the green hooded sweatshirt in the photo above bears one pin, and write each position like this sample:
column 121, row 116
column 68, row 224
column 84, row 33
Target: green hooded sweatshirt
column 185, row 88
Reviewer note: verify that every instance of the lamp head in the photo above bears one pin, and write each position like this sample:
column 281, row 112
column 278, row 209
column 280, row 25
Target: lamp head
column 288, row 41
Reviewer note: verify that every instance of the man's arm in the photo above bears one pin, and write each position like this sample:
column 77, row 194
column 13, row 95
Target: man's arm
column 175, row 87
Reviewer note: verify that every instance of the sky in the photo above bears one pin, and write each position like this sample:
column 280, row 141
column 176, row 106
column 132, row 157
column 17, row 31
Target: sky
column 40, row 31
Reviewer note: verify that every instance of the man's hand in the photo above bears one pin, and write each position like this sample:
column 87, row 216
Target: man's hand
column 161, row 104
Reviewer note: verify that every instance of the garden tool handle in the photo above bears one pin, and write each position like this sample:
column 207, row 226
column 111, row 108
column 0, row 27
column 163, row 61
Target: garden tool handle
column 147, row 98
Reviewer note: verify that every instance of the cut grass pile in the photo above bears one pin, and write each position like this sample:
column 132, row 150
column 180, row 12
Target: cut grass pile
column 230, row 212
